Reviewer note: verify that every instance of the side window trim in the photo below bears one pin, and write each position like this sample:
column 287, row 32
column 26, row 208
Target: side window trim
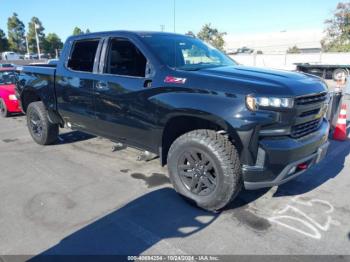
column 105, row 53
column 98, row 56
column 96, row 59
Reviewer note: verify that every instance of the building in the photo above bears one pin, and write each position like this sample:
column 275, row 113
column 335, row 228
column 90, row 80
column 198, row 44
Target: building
column 308, row 41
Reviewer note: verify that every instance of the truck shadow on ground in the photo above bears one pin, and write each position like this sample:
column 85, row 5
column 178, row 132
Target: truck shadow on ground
column 320, row 174
column 73, row 137
column 134, row 228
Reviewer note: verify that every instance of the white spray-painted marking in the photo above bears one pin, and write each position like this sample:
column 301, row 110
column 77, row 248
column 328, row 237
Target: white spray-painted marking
column 314, row 228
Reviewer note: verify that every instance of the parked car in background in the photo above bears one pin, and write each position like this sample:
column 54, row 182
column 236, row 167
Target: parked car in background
column 8, row 100
column 10, row 56
column 6, row 65
column 30, row 56
column 45, row 56
column 326, row 71
column 245, row 50
column 53, row 61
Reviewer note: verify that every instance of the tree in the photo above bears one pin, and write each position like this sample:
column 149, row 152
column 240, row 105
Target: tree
column 338, row 30
column 77, row 31
column 52, row 43
column 87, row 31
column 4, row 44
column 16, row 31
column 212, row 36
column 35, row 24
column 293, row 50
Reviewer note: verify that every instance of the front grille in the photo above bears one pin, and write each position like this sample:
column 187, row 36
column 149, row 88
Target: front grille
column 305, row 128
column 309, row 113
column 307, row 100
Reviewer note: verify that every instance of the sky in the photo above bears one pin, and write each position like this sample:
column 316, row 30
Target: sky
column 235, row 17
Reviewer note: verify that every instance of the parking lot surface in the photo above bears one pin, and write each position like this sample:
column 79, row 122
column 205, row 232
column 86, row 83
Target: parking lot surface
column 79, row 197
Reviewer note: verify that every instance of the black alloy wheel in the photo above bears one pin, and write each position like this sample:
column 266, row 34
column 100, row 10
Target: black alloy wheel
column 36, row 124
column 197, row 172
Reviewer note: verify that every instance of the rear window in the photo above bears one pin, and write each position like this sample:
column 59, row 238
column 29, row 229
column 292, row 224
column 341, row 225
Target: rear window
column 83, row 55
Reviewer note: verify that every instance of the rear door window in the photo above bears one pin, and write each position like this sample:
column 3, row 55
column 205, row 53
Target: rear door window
column 83, row 55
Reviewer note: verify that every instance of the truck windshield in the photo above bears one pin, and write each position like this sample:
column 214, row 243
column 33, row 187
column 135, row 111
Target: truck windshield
column 186, row 53
column 7, row 77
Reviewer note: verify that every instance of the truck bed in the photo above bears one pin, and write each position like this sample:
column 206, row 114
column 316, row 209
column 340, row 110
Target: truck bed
column 40, row 79
column 44, row 69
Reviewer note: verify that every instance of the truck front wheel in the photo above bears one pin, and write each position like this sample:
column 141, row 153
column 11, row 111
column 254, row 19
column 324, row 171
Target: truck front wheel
column 42, row 131
column 204, row 167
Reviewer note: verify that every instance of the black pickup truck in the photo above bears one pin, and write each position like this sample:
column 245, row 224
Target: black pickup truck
column 217, row 125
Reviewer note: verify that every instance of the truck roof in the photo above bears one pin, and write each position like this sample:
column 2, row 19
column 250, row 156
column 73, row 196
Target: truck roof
column 124, row 32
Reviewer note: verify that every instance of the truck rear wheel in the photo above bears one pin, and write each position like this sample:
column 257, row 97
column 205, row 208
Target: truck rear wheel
column 204, row 167
column 3, row 109
column 42, row 131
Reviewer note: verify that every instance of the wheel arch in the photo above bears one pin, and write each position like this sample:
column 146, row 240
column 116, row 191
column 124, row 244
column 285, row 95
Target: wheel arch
column 182, row 123
column 27, row 97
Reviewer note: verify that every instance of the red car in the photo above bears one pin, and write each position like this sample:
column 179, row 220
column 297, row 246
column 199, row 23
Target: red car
column 8, row 100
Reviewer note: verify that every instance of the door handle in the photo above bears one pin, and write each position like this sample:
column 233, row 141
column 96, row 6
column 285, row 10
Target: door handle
column 102, row 86
column 147, row 83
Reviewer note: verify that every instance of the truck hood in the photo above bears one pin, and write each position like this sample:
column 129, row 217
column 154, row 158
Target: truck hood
column 267, row 81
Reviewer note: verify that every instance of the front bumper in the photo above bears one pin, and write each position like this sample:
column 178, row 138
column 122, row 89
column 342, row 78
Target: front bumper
column 279, row 158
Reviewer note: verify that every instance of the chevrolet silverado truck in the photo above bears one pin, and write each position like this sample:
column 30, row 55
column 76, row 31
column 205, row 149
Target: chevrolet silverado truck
column 217, row 125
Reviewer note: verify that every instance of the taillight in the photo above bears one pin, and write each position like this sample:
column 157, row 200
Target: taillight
column 12, row 97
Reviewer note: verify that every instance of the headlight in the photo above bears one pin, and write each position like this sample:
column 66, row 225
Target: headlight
column 12, row 97
column 253, row 103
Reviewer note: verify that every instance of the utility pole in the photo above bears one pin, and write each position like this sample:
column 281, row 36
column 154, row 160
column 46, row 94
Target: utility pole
column 174, row 16
column 162, row 28
column 27, row 45
column 36, row 26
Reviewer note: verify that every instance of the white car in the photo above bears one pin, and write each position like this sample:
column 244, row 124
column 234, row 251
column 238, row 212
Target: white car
column 30, row 56
column 10, row 56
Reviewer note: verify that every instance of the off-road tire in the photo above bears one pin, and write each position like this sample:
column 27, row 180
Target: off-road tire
column 49, row 131
column 226, row 159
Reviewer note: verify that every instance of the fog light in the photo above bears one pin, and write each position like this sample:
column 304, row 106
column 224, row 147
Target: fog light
column 303, row 166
